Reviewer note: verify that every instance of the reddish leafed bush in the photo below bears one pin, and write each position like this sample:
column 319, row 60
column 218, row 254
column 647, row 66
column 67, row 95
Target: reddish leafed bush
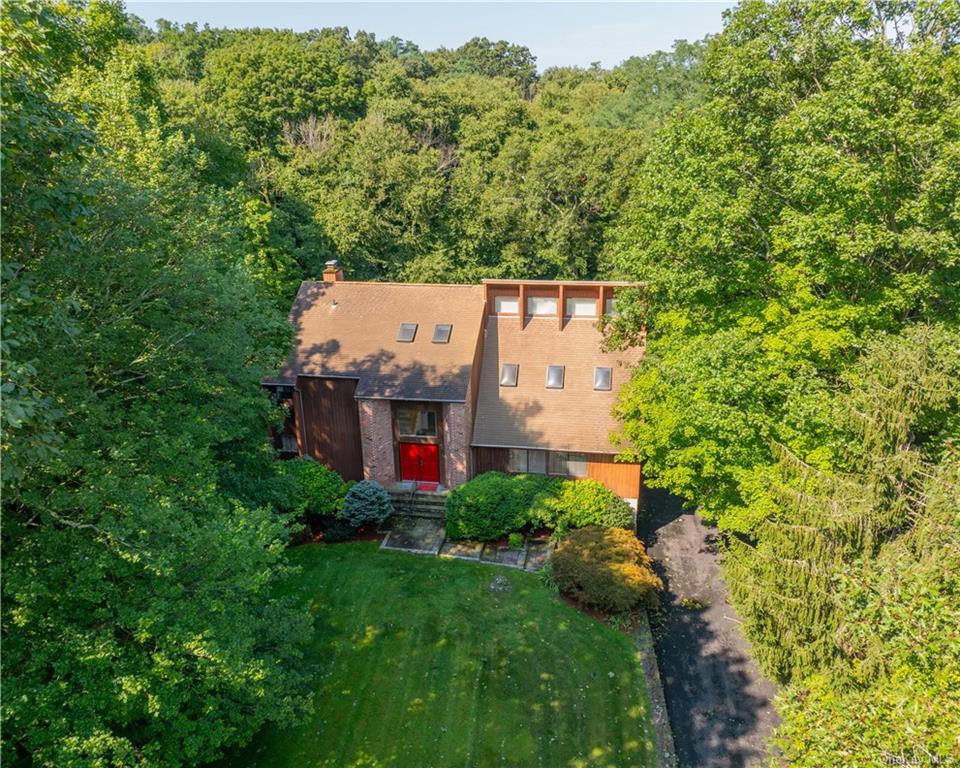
column 605, row 568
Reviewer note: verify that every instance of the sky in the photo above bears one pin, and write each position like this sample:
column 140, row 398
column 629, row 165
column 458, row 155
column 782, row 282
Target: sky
column 558, row 33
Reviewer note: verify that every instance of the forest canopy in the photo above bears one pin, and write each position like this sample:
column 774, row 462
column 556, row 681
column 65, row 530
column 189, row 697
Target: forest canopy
column 786, row 192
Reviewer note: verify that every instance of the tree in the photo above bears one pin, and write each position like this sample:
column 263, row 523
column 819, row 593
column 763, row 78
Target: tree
column 260, row 81
column 138, row 618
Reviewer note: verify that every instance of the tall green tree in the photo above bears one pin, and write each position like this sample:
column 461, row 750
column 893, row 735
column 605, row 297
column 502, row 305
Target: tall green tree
column 138, row 623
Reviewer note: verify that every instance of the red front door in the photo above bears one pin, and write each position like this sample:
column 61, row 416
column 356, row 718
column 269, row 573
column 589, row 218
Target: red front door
column 420, row 462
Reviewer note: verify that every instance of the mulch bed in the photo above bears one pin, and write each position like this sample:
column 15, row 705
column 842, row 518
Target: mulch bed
column 598, row 615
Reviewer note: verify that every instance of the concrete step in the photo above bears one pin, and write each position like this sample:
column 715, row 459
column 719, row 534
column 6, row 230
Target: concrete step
column 418, row 504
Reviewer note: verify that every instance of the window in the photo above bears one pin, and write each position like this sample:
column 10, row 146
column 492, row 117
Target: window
column 412, row 422
column 537, row 462
column 441, row 333
column 288, row 443
column 506, row 305
column 611, row 308
column 580, row 307
column 523, row 460
column 541, row 305
column 407, row 332
column 603, row 379
column 554, row 377
column 281, row 394
column 577, row 464
column 508, row 374
column 568, row 464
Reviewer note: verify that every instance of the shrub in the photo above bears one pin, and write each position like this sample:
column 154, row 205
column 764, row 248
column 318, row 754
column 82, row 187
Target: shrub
column 579, row 503
column 605, row 568
column 492, row 505
column 515, row 540
column 366, row 502
column 337, row 530
column 320, row 490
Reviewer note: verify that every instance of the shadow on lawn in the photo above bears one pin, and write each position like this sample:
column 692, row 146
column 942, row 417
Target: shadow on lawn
column 718, row 701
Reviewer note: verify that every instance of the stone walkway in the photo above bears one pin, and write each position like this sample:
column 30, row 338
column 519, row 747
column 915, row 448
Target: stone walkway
column 425, row 536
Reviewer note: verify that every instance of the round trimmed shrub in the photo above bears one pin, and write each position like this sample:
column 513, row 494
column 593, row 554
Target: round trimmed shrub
column 492, row 505
column 579, row 503
column 366, row 502
column 320, row 490
column 605, row 568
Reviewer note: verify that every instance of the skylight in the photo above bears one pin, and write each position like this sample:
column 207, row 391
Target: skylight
column 508, row 374
column 441, row 333
column 407, row 332
column 603, row 379
column 554, row 377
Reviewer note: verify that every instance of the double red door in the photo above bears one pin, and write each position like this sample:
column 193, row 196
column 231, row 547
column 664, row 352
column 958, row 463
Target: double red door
column 420, row 462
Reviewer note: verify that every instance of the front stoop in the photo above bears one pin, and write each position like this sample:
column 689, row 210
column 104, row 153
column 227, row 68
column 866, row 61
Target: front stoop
column 427, row 536
column 409, row 502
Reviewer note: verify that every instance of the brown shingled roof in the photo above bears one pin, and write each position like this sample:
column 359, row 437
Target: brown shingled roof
column 575, row 418
column 350, row 329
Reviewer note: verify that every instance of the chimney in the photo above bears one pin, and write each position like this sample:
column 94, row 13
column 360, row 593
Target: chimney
column 332, row 272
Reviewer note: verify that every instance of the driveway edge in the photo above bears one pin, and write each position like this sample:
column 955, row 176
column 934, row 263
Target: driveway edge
column 666, row 751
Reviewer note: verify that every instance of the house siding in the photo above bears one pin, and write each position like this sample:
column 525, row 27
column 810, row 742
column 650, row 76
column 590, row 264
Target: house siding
column 326, row 423
column 376, row 438
column 456, row 441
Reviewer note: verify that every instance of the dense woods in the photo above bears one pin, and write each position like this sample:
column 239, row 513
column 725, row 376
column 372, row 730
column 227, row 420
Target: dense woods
column 787, row 191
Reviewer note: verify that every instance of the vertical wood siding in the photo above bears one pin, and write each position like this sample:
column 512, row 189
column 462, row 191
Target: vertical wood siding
column 622, row 479
column 490, row 460
column 329, row 425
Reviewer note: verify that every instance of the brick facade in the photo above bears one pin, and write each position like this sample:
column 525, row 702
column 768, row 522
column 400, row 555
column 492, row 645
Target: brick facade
column 456, row 444
column 376, row 438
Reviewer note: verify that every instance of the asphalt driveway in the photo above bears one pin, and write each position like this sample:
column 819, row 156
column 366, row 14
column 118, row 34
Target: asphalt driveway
column 719, row 703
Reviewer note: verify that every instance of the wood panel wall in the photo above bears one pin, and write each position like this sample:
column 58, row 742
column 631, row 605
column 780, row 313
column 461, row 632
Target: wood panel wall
column 490, row 460
column 622, row 479
column 328, row 424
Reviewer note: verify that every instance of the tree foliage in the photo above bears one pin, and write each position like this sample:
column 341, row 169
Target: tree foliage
column 798, row 237
column 137, row 618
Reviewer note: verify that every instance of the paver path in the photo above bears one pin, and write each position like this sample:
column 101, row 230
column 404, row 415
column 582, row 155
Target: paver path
column 719, row 702
column 426, row 536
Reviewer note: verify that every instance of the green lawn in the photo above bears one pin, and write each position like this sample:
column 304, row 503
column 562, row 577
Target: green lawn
column 421, row 665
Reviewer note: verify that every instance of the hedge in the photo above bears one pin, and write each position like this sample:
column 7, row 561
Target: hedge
column 493, row 505
column 319, row 490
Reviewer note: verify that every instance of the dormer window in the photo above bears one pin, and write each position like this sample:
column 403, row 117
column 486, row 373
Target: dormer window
column 441, row 333
column 603, row 379
column 506, row 305
column 407, row 332
column 508, row 374
column 541, row 305
column 581, row 307
column 555, row 377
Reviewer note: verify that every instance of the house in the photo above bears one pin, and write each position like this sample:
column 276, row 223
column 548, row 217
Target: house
column 437, row 383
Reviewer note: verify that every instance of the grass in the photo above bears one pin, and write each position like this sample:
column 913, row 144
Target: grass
column 420, row 664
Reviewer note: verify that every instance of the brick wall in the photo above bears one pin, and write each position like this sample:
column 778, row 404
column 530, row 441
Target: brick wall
column 456, row 442
column 376, row 438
